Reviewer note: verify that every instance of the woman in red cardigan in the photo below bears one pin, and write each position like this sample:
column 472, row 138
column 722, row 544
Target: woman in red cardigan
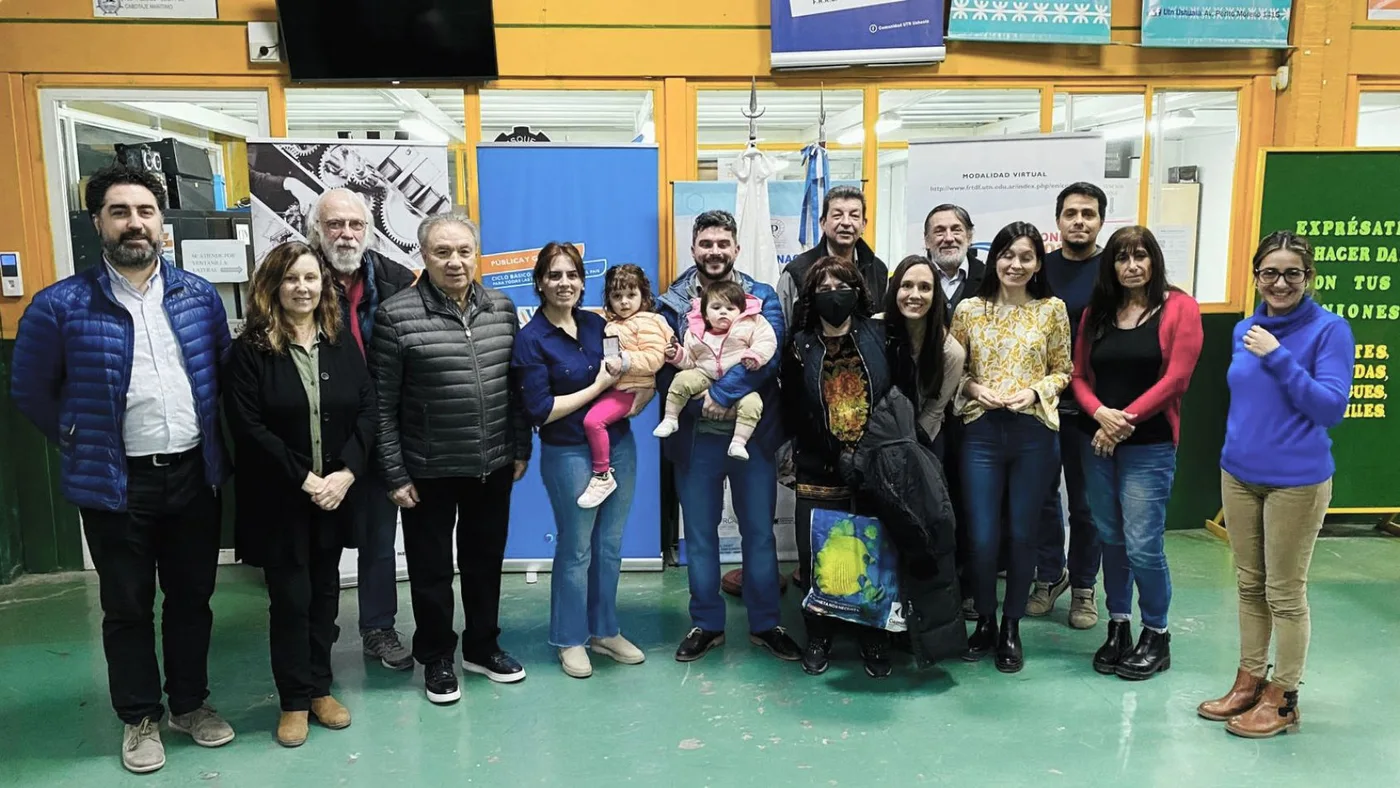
column 1137, row 348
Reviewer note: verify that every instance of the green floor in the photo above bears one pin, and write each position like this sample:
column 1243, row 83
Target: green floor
column 738, row 717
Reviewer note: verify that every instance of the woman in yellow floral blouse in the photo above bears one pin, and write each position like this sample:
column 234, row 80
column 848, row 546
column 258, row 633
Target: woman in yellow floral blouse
column 1018, row 361
column 832, row 374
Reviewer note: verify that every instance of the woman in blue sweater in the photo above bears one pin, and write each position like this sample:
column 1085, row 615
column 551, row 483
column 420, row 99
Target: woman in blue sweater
column 1289, row 378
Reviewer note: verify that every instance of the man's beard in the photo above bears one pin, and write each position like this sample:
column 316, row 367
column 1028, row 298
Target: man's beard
column 704, row 267
column 344, row 261
column 1080, row 250
column 946, row 260
column 123, row 256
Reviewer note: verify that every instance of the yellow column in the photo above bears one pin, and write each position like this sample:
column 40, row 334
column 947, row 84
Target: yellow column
column 676, row 130
column 1311, row 111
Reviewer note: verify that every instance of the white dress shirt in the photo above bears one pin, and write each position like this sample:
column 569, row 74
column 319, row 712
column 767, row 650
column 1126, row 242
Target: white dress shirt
column 160, row 413
column 951, row 283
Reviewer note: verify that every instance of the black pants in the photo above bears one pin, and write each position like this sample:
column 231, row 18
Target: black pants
column 824, row 626
column 169, row 531
column 484, row 509
column 303, row 604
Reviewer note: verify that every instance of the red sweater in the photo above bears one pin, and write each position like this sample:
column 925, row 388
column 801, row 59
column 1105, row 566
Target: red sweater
column 1180, row 336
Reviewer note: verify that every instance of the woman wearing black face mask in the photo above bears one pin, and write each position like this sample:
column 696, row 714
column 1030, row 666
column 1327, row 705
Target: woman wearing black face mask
column 832, row 375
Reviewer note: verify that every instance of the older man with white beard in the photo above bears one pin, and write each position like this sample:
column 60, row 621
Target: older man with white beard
column 338, row 226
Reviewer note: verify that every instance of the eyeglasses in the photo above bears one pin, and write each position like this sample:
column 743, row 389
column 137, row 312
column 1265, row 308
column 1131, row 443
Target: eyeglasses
column 1293, row 276
column 336, row 225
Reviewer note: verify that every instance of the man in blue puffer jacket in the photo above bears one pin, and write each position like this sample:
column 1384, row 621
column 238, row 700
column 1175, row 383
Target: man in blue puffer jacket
column 119, row 366
column 699, row 451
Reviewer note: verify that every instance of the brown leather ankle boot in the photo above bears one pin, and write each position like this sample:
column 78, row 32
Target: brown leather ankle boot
column 1238, row 700
column 1276, row 712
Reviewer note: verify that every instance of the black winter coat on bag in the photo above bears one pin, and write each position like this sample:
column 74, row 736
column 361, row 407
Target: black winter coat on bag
column 269, row 418
column 446, row 404
column 902, row 480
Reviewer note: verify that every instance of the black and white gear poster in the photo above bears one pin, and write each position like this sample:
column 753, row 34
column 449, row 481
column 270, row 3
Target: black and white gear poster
column 401, row 182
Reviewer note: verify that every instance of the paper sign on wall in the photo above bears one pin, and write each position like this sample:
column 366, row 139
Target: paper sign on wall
column 155, row 9
column 217, row 261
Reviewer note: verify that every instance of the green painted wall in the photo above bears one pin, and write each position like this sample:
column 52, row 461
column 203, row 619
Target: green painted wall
column 1196, row 491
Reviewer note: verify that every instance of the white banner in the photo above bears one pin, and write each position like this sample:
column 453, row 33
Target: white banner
column 999, row 180
column 801, row 8
column 155, row 9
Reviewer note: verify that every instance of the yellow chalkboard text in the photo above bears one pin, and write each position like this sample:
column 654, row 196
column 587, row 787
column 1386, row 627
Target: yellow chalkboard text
column 1368, row 410
column 1342, row 254
column 1325, row 282
column 1369, row 372
column 1387, row 254
column 1353, row 226
column 1373, row 351
column 1368, row 391
column 1365, row 311
column 1369, row 282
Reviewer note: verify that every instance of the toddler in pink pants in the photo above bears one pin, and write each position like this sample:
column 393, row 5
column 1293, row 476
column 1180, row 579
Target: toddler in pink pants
column 642, row 339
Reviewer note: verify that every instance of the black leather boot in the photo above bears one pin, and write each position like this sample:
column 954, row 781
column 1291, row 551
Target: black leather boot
column 1118, row 645
column 982, row 640
column 1009, row 656
column 1152, row 655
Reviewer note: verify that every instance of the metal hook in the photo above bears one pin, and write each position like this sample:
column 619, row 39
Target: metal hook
column 753, row 113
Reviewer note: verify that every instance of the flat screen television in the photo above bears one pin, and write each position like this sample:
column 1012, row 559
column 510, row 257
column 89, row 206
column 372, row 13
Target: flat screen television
column 388, row 40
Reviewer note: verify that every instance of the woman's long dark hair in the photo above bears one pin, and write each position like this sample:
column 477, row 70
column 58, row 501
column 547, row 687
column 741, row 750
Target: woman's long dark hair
column 805, row 317
column 267, row 327
column 929, row 365
column 1109, row 294
column 1039, row 286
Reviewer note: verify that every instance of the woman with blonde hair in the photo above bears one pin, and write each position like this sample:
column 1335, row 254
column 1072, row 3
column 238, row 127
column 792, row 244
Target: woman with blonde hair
column 300, row 407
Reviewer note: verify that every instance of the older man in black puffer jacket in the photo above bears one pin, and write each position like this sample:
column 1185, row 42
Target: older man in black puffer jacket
column 452, row 441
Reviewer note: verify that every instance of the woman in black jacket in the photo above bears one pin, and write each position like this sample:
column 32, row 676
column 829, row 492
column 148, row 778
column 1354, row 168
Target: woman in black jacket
column 300, row 407
column 833, row 373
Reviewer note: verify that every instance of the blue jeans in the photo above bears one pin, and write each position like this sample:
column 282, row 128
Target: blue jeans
column 1129, row 493
column 588, row 553
column 1085, row 552
column 753, row 486
column 377, row 586
column 1005, row 456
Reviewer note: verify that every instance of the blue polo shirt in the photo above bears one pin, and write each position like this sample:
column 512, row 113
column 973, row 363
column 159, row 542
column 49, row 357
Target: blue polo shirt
column 549, row 363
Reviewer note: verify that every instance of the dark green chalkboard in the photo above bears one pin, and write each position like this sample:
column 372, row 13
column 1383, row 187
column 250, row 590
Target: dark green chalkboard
column 1347, row 202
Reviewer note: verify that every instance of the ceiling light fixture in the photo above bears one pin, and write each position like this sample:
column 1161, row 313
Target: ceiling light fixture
column 423, row 129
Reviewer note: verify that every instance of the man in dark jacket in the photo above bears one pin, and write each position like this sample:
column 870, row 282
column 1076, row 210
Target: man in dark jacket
column 843, row 221
column 948, row 243
column 452, row 441
column 699, row 451
column 338, row 227
column 118, row 365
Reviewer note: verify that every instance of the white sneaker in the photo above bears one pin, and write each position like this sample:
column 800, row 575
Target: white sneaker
column 666, row 428
column 620, row 649
column 142, row 750
column 738, row 451
column 599, row 488
column 576, row 662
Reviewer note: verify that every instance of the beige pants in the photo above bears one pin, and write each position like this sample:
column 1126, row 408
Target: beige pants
column 691, row 383
column 1272, row 533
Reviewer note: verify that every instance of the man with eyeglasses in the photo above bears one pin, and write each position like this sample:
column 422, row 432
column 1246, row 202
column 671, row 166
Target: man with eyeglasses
column 338, row 226
column 948, row 243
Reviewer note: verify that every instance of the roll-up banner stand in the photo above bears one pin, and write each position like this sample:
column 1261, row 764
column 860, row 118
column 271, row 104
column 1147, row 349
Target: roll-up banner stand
column 604, row 200
column 809, row 33
column 999, row 180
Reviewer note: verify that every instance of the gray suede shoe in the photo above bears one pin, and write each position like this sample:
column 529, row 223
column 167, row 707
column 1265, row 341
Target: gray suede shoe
column 142, row 750
column 204, row 725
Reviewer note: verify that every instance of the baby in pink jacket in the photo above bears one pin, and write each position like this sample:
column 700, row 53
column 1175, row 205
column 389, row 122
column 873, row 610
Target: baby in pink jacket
column 725, row 327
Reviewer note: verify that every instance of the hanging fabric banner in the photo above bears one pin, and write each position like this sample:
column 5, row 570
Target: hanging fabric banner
column 518, row 218
column 1057, row 22
column 1216, row 23
column 809, row 33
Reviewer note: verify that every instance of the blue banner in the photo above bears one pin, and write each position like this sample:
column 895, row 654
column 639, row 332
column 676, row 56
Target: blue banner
column 810, row 33
column 1030, row 21
column 1259, row 24
column 604, row 200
